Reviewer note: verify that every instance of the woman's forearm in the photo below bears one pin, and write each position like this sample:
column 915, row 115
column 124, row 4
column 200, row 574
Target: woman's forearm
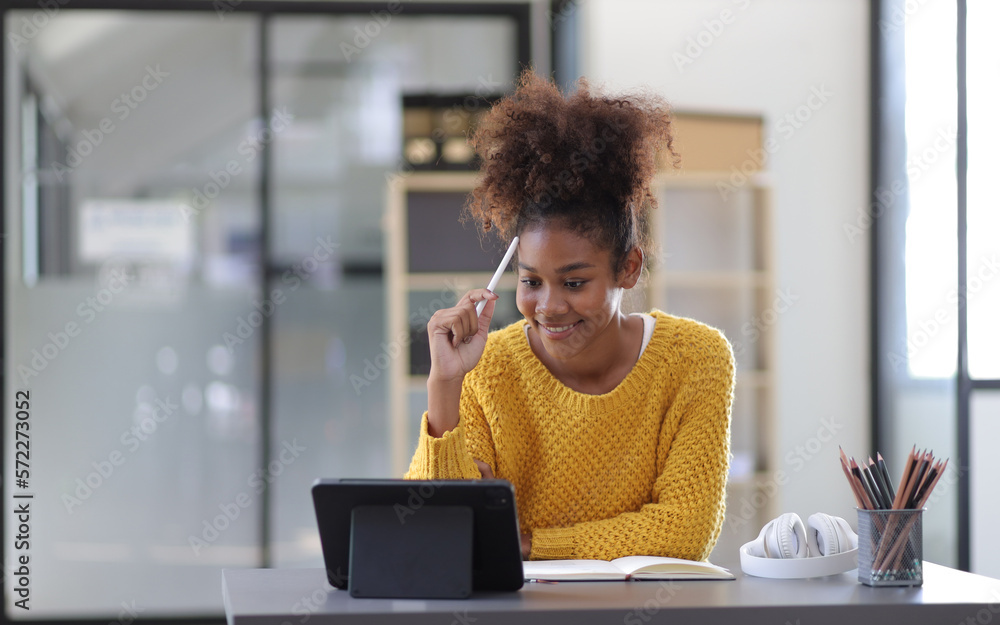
column 442, row 405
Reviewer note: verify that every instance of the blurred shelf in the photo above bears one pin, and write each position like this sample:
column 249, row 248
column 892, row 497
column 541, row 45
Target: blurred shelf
column 457, row 282
column 751, row 480
column 713, row 180
column 753, row 377
column 713, row 279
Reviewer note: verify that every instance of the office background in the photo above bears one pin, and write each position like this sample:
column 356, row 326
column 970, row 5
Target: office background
column 297, row 116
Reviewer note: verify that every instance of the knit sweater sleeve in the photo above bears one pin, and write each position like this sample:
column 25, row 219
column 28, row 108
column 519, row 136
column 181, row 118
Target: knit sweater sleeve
column 684, row 517
column 451, row 455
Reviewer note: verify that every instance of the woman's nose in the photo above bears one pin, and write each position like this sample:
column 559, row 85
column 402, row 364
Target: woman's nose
column 551, row 303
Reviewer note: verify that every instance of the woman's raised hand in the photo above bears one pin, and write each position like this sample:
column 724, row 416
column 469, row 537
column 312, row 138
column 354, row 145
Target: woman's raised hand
column 458, row 337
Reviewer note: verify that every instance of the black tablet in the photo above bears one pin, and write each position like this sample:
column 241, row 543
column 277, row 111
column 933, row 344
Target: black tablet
column 495, row 535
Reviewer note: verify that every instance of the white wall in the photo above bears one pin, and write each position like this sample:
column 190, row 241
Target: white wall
column 768, row 59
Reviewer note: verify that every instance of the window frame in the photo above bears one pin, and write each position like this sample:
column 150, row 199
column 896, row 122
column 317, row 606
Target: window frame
column 887, row 235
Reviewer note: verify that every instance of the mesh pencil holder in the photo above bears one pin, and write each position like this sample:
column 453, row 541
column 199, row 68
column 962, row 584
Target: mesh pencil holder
column 890, row 547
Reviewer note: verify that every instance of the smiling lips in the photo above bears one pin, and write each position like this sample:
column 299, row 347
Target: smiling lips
column 557, row 332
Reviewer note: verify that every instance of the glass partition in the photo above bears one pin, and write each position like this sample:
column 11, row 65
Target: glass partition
column 134, row 213
column 141, row 278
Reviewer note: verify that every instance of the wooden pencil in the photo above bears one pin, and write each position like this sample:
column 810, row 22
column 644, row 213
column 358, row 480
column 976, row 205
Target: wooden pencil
column 915, row 483
column 869, row 497
column 903, row 497
column 883, row 490
column 930, row 488
column 858, row 497
column 885, row 475
column 880, row 480
column 897, row 503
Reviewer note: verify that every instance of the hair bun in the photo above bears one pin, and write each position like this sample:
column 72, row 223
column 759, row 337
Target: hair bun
column 585, row 157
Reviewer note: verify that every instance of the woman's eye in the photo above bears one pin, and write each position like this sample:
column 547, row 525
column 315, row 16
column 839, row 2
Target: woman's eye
column 575, row 284
column 529, row 283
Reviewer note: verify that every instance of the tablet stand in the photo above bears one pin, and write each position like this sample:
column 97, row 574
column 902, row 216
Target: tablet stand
column 423, row 553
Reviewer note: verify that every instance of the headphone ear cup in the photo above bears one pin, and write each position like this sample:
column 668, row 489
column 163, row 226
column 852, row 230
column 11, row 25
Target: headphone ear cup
column 787, row 537
column 757, row 547
column 848, row 537
column 830, row 535
column 822, row 535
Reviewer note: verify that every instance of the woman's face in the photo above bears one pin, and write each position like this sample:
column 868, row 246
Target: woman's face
column 566, row 288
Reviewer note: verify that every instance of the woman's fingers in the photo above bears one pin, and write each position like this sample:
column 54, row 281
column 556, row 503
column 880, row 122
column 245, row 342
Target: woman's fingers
column 526, row 546
column 475, row 296
column 491, row 304
column 468, row 323
column 484, row 469
column 466, row 326
column 458, row 336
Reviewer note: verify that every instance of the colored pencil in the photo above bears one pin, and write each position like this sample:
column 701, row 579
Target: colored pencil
column 885, row 475
column 883, row 488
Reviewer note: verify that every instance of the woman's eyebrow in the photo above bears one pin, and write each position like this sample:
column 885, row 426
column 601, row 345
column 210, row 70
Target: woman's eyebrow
column 564, row 269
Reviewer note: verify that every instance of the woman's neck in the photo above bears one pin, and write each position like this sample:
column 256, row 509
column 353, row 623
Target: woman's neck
column 602, row 366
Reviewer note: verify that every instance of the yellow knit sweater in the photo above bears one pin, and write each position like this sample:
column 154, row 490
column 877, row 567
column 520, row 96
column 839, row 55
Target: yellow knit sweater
column 639, row 470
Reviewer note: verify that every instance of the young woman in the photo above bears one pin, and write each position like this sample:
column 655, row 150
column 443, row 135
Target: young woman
column 613, row 428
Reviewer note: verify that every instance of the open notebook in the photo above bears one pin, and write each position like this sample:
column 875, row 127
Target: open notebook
column 629, row 567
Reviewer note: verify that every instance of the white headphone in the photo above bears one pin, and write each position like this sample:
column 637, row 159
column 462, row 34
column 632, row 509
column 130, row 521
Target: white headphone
column 786, row 549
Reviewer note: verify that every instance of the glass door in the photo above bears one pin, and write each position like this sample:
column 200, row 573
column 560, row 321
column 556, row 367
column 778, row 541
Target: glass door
column 133, row 219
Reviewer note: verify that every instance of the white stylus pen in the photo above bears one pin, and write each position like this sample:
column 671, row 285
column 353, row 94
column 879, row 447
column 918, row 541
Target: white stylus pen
column 496, row 276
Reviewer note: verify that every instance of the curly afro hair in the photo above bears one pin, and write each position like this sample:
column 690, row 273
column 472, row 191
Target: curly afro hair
column 585, row 160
